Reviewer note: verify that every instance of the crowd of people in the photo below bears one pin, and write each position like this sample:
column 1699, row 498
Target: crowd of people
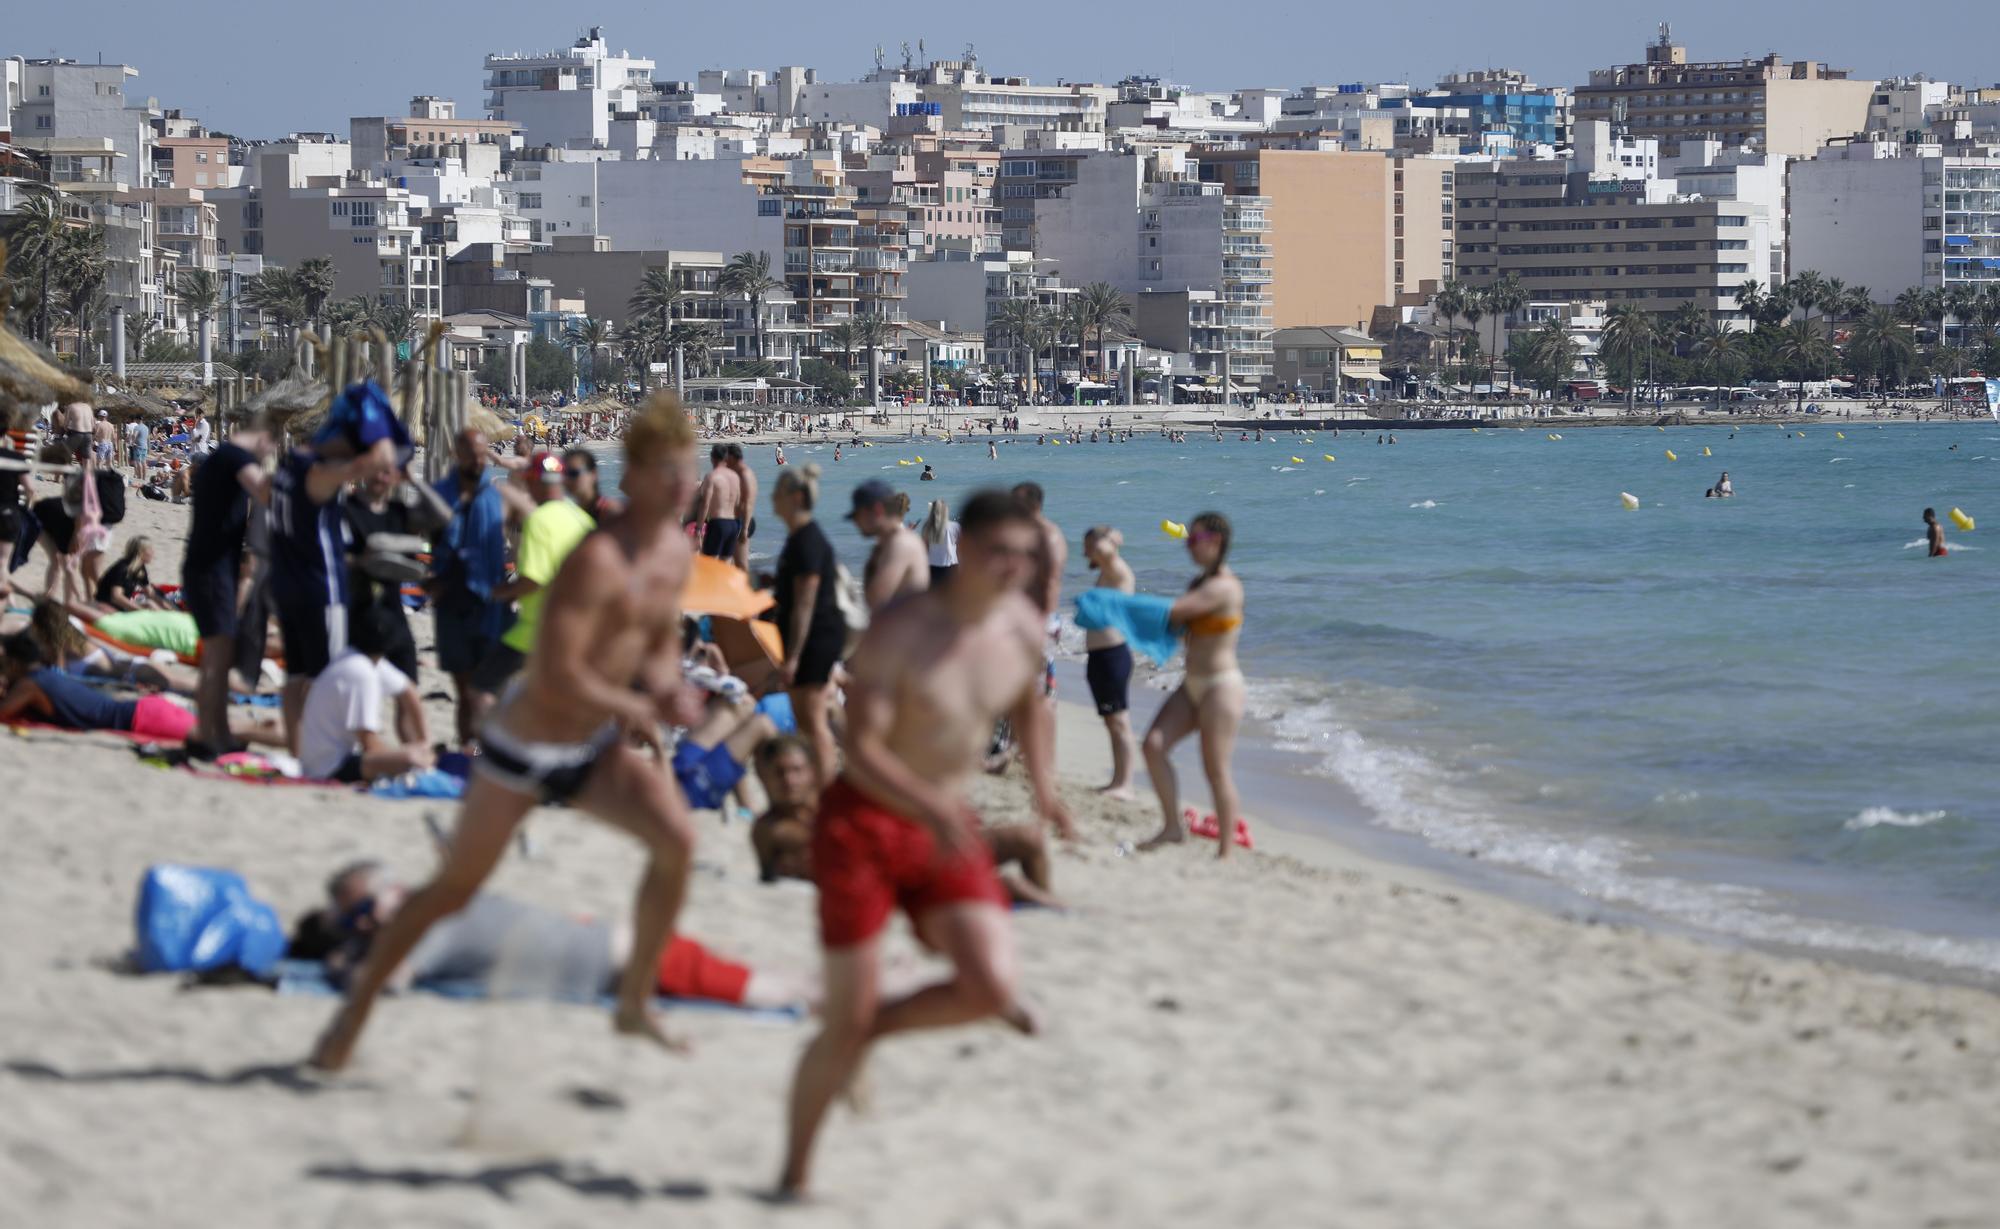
column 577, row 678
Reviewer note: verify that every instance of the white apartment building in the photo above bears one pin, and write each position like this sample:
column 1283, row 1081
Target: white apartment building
column 567, row 98
column 1891, row 216
column 712, row 208
column 65, row 100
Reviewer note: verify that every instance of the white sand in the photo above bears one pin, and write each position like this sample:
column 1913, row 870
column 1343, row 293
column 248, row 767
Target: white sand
column 1271, row 1041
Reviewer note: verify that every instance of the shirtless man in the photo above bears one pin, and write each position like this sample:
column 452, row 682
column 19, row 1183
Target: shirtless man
column 746, row 501
column 604, row 674
column 105, row 436
column 1045, row 580
column 1934, row 534
column 717, row 504
column 929, row 679
column 1108, row 659
column 900, row 563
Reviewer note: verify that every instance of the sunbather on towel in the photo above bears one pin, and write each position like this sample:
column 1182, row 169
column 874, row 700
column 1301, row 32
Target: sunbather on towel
column 495, row 938
column 35, row 690
column 64, row 646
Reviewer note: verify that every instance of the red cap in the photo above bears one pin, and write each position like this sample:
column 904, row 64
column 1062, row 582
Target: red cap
column 546, row 466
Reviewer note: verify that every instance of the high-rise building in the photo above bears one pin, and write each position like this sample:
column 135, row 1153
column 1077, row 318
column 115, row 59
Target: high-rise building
column 1777, row 106
column 1890, row 216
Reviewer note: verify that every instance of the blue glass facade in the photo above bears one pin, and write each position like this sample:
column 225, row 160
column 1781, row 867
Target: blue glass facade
column 1533, row 119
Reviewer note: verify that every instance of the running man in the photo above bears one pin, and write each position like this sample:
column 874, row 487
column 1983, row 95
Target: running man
column 604, row 674
column 1934, row 534
column 717, row 504
column 929, row 679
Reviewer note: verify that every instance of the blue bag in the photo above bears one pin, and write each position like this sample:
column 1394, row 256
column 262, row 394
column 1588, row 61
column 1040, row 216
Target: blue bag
column 197, row 917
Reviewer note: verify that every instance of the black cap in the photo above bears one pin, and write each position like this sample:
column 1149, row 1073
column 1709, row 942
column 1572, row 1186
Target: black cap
column 871, row 493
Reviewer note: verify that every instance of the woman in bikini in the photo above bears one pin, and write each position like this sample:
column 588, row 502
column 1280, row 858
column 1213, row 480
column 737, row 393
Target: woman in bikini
column 1210, row 698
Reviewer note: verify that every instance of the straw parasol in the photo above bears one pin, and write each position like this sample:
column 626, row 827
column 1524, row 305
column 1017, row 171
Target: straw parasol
column 32, row 375
column 126, row 404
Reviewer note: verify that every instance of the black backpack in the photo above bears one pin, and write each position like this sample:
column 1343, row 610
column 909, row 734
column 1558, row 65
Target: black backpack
column 110, row 496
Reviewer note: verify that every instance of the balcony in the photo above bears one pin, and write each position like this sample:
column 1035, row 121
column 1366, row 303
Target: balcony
column 1246, row 318
column 1245, row 247
column 1247, row 274
column 820, row 262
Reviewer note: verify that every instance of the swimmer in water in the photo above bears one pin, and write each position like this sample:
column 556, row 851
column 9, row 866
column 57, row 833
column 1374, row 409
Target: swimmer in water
column 1934, row 534
column 1723, row 487
column 836, row 452
column 992, row 451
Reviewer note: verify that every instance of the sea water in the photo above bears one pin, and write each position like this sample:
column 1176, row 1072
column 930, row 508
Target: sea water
column 1771, row 716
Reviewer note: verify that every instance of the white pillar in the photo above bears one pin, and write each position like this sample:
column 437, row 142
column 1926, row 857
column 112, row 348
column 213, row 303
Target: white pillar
column 207, row 351
column 118, row 342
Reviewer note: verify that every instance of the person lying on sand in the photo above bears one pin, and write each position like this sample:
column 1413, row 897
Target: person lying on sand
column 65, row 647
column 36, row 690
column 572, row 958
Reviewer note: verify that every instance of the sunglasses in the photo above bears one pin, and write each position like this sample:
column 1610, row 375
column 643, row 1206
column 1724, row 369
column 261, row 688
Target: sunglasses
column 350, row 919
column 577, row 472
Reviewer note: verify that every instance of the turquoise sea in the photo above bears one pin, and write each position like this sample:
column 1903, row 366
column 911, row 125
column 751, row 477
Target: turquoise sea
column 1769, row 716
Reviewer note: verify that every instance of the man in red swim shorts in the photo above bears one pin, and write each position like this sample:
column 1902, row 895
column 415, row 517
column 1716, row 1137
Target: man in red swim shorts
column 929, row 679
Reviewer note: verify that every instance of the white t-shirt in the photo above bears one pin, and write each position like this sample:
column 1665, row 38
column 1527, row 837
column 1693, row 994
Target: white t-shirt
column 345, row 699
column 945, row 554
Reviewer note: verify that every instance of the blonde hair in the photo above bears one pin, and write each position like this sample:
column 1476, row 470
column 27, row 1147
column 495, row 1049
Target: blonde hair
column 937, row 523
column 133, row 549
column 801, row 478
column 659, row 426
column 49, row 626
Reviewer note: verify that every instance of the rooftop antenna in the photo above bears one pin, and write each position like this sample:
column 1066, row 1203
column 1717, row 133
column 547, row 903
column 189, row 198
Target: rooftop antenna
column 878, row 57
column 921, row 53
column 906, row 56
column 971, row 56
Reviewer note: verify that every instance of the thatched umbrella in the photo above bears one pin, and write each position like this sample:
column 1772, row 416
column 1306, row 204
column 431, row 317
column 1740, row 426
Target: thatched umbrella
column 294, row 404
column 124, row 405
column 33, row 376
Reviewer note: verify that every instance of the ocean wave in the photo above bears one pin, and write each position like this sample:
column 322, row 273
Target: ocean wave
column 1407, row 791
column 1879, row 817
column 1428, row 503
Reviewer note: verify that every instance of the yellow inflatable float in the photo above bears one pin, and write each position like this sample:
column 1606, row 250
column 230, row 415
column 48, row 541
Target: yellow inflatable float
column 1329, row 456
column 1671, row 456
column 1705, row 452
column 1298, row 460
column 1173, row 529
column 1630, row 501
column 1960, row 519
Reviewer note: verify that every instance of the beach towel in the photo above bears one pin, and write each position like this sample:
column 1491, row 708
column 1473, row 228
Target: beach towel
column 472, row 547
column 1140, row 617
column 309, row 977
column 172, row 630
column 199, row 917
column 430, row 783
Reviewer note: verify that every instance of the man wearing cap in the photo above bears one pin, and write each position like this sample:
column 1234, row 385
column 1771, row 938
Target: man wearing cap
column 551, row 532
column 900, row 564
column 309, row 537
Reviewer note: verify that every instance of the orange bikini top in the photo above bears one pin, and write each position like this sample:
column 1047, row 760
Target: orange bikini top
column 1214, row 624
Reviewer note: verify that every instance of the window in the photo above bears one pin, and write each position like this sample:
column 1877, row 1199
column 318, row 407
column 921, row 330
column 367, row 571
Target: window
column 42, row 121
column 769, row 207
column 531, row 200
column 201, row 158
column 583, row 202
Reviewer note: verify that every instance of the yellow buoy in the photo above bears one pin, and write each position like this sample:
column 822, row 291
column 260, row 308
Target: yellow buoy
column 1554, row 436
column 1659, row 428
column 1961, row 520
column 1802, row 435
column 920, row 460
column 1630, row 500
column 900, row 461
column 1173, row 529
column 1298, row 460
column 1840, row 435
column 1329, row 456
column 1671, row 456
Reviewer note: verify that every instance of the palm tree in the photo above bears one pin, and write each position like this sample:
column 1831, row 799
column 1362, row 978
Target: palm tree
column 871, row 332
column 315, row 279
column 1804, row 353
column 141, row 331
column 1450, row 301
column 35, row 236
column 638, row 342
column 1473, row 309
column 1913, row 306
column 348, row 314
column 842, row 336
column 276, row 295
column 1720, row 353
column 1685, row 325
column 1101, row 306
column 1880, row 344
column 1011, row 323
column 589, row 335
column 1628, row 340
column 657, row 299
column 1805, row 292
column 81, row 271
column 1750, row 301
column 1502, row 299
column 1552, row 354
column 748, row 274
column 1045, row 329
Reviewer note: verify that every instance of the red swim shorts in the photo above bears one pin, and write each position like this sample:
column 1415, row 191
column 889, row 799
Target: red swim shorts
column 868, row 860
column 690, row 971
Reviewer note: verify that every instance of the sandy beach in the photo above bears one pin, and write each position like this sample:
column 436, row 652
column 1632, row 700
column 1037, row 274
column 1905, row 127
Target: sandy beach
column 1297, row 1037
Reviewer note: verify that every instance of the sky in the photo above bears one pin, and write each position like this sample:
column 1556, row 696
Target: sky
column 275, row 66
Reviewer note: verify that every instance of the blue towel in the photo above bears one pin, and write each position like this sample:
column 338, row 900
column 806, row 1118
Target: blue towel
column 1140, row 617
column 363, row 416
column 309, row 977
column 472, row 549
column 430, row 783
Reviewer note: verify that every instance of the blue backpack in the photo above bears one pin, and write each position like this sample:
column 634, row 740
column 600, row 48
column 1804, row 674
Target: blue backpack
column 197, row 917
